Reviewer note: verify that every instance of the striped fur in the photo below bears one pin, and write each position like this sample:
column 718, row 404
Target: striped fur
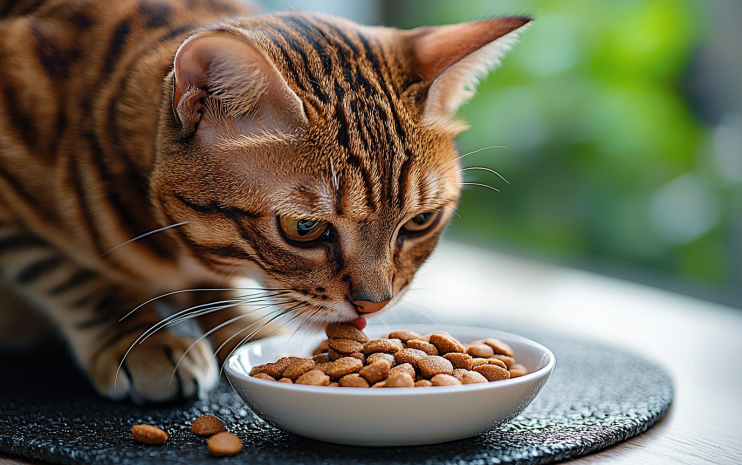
column 111, row 127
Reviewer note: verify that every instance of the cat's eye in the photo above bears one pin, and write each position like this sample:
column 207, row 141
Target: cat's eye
column 420, row 222
column 301, row 230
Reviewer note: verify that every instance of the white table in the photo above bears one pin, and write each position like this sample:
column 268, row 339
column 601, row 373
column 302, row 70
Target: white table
column 697, row 342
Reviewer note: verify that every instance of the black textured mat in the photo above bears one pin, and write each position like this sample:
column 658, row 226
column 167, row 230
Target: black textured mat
column 596, row 397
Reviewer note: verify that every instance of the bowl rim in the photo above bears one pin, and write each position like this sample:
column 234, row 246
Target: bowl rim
column 323, row 390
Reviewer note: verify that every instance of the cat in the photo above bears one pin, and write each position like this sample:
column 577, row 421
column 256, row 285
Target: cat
column 311, row 154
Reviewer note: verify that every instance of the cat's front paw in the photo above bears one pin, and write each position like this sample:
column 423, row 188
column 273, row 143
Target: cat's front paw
column 149, row 372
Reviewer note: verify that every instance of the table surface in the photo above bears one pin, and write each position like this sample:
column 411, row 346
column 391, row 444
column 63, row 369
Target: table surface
column 699, row 343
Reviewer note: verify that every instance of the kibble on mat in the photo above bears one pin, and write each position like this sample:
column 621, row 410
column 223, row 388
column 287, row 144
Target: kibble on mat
column 207, row 425
column 148, row 434
column 224, row 444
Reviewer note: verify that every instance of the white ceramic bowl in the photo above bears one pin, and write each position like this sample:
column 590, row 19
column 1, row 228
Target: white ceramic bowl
column 385, row 417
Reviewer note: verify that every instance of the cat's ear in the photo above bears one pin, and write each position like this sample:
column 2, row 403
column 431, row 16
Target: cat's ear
column 453, row 58
column 238, row 77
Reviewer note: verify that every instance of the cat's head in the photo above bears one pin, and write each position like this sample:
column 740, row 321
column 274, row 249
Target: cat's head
column 316, row 155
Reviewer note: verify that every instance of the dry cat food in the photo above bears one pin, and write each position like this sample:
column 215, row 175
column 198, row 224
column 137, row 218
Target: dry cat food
column 221, row 443
column 349, row 358
column 207, row 425
column 148, row 434
column 224, row 444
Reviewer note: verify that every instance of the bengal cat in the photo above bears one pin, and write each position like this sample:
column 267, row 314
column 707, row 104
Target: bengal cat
column 306, row 152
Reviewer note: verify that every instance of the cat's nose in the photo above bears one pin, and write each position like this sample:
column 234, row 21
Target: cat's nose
column 366, row 306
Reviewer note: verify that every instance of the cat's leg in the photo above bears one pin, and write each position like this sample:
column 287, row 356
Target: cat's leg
column 21, row 326
column 87, row 307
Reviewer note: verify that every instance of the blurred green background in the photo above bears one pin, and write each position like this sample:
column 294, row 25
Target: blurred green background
column 622, row 130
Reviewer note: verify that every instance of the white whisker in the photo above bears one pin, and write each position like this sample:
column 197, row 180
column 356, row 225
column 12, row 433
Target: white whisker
column 168, row 294
column 140, row 237
column 473, row 152
column 254, row 332
column 302, row 324
column 426, row 179
column 191, row 312
column 484, row 168
column 452, row 211
column 477, row 184
column 190, row 315
column 204, row 336
column 187, row 314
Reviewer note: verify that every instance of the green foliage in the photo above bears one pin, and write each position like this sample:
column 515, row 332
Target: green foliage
column 604, row 156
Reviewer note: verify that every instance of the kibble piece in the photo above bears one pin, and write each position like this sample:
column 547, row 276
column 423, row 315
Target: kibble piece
column 334, row 354
column 480, row 350
column 388, row 346
column 346, row 331
column 264, row 376
column 472, row 377
column 313, row 378
column 381, row 356
column 444, row 380
column 508, row 360
column 207, row 425
column 458, row 373
column 298, row 368
column 344, row 366
column 256, row 370
column 324, row 357
column 148, row 434
column 224, row 444
column 334, row 384
column 410, row 356
column 492, row 372
column 346, row 346
column 423, row 383
column 323, row 367
column 380, row 384
column 285, row 380
column 275, row 369
column 434, row 365
column 323, row 346
column 518, row 370
column 404, row 336
column 375, row 372
column 459, row 360
column 353, row 380
column 399, row 379
column 425, row 346
column 499, row 346
column 487, row 361
column 403, row 368
column 359, row 356
column 446, row 344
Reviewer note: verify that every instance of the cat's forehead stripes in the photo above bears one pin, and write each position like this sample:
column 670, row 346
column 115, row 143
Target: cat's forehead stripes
column 305, row 200
column 350, row 79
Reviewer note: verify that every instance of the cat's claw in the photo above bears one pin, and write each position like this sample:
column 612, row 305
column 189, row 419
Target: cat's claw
column 147, row 372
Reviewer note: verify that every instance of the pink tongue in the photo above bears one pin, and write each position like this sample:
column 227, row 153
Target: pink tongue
column 359, row 323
